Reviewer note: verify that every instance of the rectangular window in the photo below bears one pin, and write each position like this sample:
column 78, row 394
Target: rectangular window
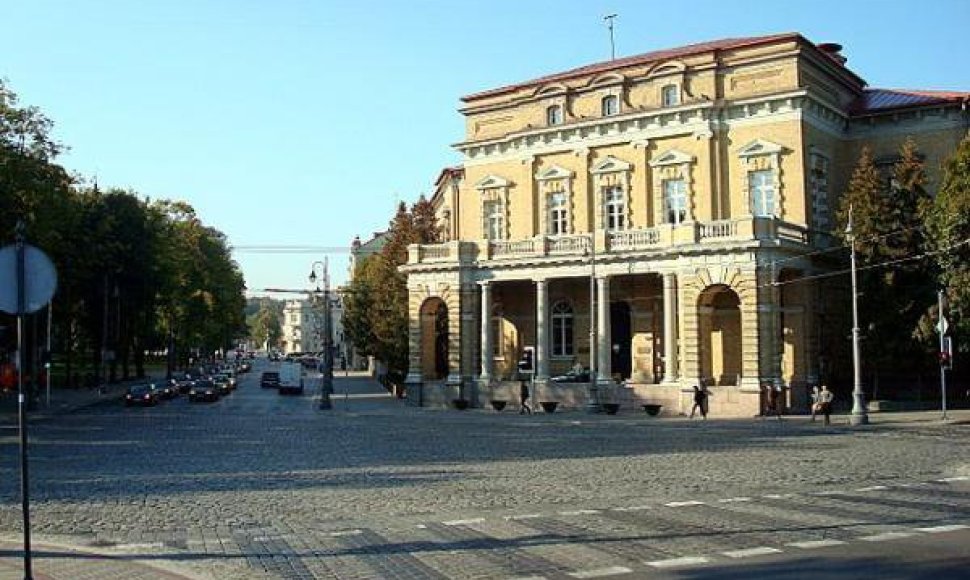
column 615, row 207
column 493, row 220
column 670, row 96
column 819, row 186
column 761, row 187
column 558, row 216
column 675, row 200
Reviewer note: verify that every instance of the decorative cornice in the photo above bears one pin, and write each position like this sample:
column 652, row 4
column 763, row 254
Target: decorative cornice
column 671, row 157
column 610, row 164
column 554, row 172
column 492, row 181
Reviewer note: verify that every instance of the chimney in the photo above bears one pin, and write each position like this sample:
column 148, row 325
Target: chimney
column 834, row 50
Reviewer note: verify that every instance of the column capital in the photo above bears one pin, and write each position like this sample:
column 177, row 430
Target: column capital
column 484, row 284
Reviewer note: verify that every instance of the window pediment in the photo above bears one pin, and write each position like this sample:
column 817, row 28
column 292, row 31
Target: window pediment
column 611, row 165
column 491, row 182
column 760, row 147
column 607, row 79
column 552, row 90
column 666, row 68
column 554, row 172
column 671, row 157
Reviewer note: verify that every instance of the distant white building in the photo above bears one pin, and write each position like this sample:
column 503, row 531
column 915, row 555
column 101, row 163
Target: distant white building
column 304, row 324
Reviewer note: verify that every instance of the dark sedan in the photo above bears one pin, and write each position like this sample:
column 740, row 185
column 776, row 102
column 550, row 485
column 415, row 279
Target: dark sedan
column 165, row 391
column 204, row 390
column 143, row 395
column 223, row 386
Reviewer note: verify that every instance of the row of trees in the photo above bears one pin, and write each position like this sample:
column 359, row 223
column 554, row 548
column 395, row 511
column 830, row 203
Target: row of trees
column 910, row 245
column 376, row 304
column 134, row 275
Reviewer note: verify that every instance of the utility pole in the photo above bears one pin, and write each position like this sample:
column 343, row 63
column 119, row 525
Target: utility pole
column 326, row 383
column 21, row 398
column 592, row 404
column 609, row 24
column 859, row 415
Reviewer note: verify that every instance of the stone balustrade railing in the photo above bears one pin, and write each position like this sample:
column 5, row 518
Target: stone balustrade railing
column 648, row 239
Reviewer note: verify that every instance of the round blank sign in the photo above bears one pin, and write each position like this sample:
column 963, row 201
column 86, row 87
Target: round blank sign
column 40, row 279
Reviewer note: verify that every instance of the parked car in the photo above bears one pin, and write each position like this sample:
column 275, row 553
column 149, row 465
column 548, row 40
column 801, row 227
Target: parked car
column 165, row 391
column 204, row 390
column 184, row 385
column 270, row 380
column 225, row 378
column 222, row 384
column 142, row 394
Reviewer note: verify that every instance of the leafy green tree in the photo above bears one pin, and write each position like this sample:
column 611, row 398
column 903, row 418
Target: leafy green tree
column 948, row 229
column 887, row 225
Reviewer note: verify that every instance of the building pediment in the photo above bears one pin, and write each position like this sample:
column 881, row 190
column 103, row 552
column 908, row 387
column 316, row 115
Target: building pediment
column 760, row 147
column 552, row 90
column 611, row 164
column 492, row 182
column 608, row 79
column 671, row 157
column 554, row 172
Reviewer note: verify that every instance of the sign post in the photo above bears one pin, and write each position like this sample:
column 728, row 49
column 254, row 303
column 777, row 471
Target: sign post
column 945, row 354
column 27, row 283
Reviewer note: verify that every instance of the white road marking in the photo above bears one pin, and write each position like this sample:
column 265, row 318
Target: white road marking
column 141, row 546
column 815, row 544
column 872, row 488
column 886, row 536
column 749, row 552
column 678, row 562
column 824, row 493
column 579, row 513
column 734, row 499
column 421, row 527
column 528, row 578
column 957, row 478
column 634, row 508
column 778, row 495
column 600, row 572
column 683, row 503
column 345, row 533
column 941, row 529
column 464, row 522
column 524, row 517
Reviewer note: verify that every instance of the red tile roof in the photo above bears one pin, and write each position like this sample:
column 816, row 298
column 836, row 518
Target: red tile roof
column 655, row 56
column 879, row 100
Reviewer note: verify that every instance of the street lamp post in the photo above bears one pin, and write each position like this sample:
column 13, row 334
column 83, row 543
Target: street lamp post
column 859, row 415
column 592, row 402
column 326, row 385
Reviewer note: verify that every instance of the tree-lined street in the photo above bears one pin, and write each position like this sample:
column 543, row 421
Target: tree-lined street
column 260, row 485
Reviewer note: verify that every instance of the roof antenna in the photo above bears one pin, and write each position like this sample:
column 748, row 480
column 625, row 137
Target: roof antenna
column 609, row 19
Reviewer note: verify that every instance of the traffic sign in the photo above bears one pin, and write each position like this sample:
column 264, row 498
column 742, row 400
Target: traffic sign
column 39, row 284
column 942, row 326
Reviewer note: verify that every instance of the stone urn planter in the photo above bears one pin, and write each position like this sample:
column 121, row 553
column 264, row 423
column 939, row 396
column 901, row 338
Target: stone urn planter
column 549, row 406
column 611, row 408
column 652, row 410
column 498, row 405
column 460, row 404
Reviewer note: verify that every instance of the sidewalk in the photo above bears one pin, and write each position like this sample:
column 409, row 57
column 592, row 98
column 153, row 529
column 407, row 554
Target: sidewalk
column 56, row 562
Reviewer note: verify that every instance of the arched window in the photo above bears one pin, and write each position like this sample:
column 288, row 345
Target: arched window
column 562, row 330
column 554, row 115
column 610, row 105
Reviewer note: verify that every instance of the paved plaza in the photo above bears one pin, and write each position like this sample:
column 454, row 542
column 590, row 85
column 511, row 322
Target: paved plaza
column 263, row 486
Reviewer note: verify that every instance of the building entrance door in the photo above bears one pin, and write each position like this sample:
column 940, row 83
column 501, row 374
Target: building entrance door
column 621, row 339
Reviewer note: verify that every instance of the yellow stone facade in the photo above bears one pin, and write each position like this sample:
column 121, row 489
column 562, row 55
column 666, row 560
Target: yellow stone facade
column 689, row 187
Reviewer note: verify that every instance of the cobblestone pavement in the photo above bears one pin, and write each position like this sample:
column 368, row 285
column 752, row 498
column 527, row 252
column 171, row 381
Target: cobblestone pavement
column 260, row 485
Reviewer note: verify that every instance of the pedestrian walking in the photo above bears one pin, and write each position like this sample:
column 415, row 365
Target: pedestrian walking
column 700, row 401
column 825, row 398
column 524, row 398
column 772, row 396
column 816, row 402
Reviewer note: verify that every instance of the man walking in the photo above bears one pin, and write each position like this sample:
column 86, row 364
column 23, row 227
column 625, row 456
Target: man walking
column 700, row 401
column 825, row 398
column 523, row 398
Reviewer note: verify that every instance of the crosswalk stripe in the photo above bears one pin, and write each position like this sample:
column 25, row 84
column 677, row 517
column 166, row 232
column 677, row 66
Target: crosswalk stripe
column 815, row 544
column 887, row 536
column 683, row 503
column 749, row 552
column 678, row 562
column 941, row 529
column 600, row 572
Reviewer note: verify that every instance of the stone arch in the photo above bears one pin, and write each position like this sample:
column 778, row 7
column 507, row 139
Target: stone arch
column 719, row 334
column 435, row 334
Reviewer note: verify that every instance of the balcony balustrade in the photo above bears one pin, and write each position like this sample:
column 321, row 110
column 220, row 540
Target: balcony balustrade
column 740, row 230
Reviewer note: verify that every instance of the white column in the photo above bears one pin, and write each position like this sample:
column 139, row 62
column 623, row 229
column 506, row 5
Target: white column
column 670, row 328
column 604, row 347
column 486, row 339
column 542, row 330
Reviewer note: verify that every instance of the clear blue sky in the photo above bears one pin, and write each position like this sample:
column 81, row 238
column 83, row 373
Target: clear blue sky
column 303, row 122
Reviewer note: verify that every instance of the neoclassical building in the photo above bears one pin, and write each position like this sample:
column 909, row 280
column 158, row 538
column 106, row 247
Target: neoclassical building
column 656, row 218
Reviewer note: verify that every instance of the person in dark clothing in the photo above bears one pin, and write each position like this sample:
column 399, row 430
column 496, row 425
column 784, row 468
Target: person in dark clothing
column 523, row 398
column 700, row 401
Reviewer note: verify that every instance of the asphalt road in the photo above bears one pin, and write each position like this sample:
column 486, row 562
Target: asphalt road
column 260, row 485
